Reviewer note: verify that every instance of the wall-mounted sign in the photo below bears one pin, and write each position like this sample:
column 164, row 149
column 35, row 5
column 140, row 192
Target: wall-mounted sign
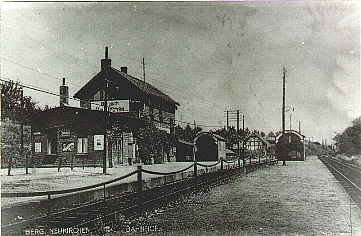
column 64, row 132
column 115, row 106
column 98, row 142
column 68, row 147
column 162, row 127
column 37, row 147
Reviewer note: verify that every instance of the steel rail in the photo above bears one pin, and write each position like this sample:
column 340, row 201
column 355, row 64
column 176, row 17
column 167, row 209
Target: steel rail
column 346, row 178
column 358, row 169
column 192, row 186
column 217, row 177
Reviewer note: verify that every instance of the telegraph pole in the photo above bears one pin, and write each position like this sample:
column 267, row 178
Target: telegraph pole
column 299, row 126
column 283, row 104
column 238, row 137
column 105, row 113
column 283, row 99
column 243, row 160
column 22, row 131
column 227, row 121
column 290, row 121
column 143, row 70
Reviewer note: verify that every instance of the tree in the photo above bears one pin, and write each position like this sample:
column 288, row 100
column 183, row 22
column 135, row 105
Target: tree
column 152, row 142
column 16, row 111
column 349, row 141
column 15, row 106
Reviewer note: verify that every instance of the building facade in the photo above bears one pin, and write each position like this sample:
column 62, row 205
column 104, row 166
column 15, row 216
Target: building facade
column 75, row 135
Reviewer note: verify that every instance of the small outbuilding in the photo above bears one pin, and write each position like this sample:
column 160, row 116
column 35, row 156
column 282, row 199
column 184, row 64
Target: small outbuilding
column 209, row 147
column 184, row 151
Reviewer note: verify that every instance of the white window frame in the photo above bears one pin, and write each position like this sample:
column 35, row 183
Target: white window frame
column 82, row 145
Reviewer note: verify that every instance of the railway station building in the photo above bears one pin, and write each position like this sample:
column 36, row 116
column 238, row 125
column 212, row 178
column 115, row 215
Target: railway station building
column 76, row 134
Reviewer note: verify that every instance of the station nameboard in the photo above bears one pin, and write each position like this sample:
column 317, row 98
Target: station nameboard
column 115, row 106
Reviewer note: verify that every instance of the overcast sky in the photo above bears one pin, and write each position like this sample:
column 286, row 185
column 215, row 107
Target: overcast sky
column 209, row 57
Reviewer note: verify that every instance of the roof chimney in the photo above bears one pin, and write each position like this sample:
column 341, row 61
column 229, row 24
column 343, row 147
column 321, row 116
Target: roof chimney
column 105, row 63
column 124, row 69
column 64, row 94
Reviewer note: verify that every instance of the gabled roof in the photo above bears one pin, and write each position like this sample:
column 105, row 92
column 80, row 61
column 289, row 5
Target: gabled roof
column 185, row 142
column 216, row 137
column 263, row 140
column 117, row 75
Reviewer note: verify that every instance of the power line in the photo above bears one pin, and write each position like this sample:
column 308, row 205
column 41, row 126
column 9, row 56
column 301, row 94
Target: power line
column 58, row 95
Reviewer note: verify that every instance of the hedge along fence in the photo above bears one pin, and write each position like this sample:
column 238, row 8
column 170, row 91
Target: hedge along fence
column 140, row 181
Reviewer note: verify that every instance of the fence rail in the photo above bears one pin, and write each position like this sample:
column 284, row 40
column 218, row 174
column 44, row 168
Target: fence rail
column 139, row 172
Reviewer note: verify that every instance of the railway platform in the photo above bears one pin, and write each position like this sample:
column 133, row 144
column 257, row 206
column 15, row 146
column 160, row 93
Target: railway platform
column 49, row 179
column 302, row 198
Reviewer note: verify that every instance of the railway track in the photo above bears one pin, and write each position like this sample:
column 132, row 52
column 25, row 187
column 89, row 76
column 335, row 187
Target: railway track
column 113, row 213
column 348, row 175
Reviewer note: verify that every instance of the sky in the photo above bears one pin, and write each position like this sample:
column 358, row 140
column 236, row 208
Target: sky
column 208, row 56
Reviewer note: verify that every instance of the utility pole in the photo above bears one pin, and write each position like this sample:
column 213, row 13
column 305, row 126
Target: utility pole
column 227, row 121
column 238, row 136
column 299, row 126
column 22, row 131
column 283, row 104
column 283, row 99
column 143, row 70
column 194, row 123
column 105, row 113
column 290, row 121
column 243, row 160
column 145, row 95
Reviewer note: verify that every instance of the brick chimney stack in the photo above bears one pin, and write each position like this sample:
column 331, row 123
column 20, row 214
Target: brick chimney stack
column 106, row 62
column 124, row 69
column 64, row 94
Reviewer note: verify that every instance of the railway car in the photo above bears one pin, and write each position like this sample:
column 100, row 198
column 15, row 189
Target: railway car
column 209, row 147
column 290, row 146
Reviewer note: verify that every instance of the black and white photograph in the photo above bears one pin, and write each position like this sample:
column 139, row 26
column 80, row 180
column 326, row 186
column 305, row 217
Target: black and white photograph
column 180, row 118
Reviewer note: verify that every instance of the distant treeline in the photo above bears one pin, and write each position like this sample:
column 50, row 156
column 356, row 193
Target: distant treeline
column 349, row 141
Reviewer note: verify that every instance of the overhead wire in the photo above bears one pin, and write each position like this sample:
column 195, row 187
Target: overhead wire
column 58, row 95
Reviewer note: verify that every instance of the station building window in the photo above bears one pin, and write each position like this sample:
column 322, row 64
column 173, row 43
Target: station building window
column 82, row 145
column 52, row 142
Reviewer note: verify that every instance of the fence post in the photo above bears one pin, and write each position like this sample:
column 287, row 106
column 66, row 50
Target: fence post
column 139, row 179
column 104, row 192
column 195, row 169
column 195, row 172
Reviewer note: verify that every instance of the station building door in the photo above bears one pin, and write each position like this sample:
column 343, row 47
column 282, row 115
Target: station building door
column 117, row 150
